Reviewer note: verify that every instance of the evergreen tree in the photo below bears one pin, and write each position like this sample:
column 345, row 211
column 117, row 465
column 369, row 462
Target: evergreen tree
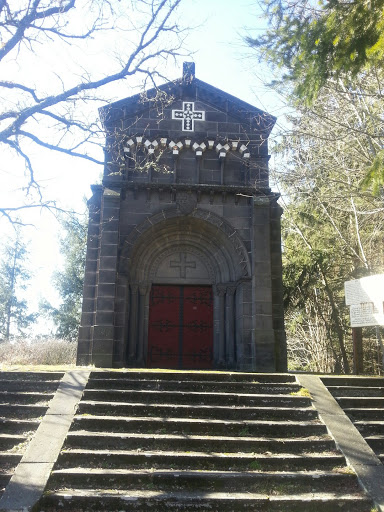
column 313, row 42
column 312, row 45
column 69, row 280
column 332, row 232
column 14, row 277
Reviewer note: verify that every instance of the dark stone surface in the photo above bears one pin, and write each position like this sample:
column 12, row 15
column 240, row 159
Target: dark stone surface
column 203, row 208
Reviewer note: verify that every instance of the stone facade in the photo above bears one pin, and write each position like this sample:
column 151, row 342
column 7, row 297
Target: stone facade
column 185, row 201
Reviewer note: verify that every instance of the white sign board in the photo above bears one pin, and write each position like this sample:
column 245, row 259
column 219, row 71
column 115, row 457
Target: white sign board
column 365, row 297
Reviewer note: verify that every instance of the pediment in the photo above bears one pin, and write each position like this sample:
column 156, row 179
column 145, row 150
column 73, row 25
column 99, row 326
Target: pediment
column 161, row 104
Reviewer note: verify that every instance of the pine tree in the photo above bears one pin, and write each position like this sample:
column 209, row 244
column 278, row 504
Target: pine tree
column 314, row 42
column 69, row 280
column 14, row 277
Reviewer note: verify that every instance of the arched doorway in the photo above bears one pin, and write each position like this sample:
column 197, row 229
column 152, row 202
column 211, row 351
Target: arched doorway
column 186, row 278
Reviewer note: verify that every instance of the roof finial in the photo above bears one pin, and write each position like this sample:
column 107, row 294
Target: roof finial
column 188, row 72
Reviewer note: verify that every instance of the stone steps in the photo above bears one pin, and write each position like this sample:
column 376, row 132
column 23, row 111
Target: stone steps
column 8, row 462
column 205, row 411
column 179, row 375
column 24, row 399
column 226, row 444
column 20, row 410
column 200, row 460
column 204, row 481
column 144, row 501
column 362, row 399
column 179, row 444
column 353, row 381
column 16, row 425
column 197, row 398
column 190, row 426
column 360, row 402
column 10, row 441
column 36, row 386
column 192, row 385
column 357, row 391
column 365, row 413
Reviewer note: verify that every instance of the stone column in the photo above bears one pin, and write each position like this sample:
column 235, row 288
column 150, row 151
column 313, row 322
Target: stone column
column 263, row 333
column 85, row 343
column 122, row 307
column 143, row 293
column 220, row 290
column 132, row 338
column 103, row 330
column 245, row 345
column 230, row 326
column 277, row 288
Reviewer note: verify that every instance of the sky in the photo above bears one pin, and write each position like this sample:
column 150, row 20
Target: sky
column 222, row 59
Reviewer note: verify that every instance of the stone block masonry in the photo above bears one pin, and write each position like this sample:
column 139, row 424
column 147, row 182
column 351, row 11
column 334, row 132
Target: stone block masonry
column 185, row 202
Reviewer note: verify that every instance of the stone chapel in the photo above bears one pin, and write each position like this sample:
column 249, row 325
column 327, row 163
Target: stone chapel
column 183, row 266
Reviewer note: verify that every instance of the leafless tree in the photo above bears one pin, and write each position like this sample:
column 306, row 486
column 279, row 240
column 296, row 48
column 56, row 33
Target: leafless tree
column 45, row 108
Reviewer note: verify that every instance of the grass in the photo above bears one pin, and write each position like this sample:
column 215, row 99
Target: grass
column 255, row 465
column 345, row 470
column 37, row 352
column 301, row 392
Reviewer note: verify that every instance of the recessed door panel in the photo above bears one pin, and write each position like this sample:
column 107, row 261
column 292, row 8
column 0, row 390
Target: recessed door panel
column 180, row 331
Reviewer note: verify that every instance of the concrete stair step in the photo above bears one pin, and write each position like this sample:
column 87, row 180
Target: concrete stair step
column 196, row 398
column 24, row 397
column 356, row 391
column 22, row 410
column 376, row 442
column 365, row 413
column 143, row 501
column 202, row 481
column 198, row 426
column 360, row 402
column 191, row 375
column 223, row 444
column 18, row 426
column 38, row 386
column 203, row 411
column 9, row 460
column 354, row 381
column 5, row 477
column 197, row 460
column 9, row 441
column 195, row 385
column 31, row 376
column 372, row 427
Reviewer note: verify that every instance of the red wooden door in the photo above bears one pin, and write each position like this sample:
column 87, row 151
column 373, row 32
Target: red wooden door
column 180, row 331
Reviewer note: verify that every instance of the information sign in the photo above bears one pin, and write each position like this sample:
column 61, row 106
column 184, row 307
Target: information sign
column 365, row 297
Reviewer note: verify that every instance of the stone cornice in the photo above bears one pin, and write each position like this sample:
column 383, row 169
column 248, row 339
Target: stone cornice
column 188, row 187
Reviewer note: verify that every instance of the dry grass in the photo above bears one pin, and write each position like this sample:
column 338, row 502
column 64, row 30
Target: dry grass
column 37, row 352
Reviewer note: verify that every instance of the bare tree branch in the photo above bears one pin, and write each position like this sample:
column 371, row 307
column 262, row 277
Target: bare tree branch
column 45, row 114
column 58, row 148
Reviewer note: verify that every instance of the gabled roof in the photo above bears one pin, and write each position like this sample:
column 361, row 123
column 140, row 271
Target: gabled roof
column 191, row 88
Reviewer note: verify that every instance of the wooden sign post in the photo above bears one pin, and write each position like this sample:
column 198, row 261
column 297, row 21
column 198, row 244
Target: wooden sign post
column 365, row 298
column 358, row 354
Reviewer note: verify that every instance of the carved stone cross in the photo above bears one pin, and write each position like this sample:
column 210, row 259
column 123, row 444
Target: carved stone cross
column 188, row 115
column 183, row 264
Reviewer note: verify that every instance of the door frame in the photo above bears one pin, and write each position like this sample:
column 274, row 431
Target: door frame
column 181, row 297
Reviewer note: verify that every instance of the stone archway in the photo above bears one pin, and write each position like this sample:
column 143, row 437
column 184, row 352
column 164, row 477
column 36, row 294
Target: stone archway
column 198, row 249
